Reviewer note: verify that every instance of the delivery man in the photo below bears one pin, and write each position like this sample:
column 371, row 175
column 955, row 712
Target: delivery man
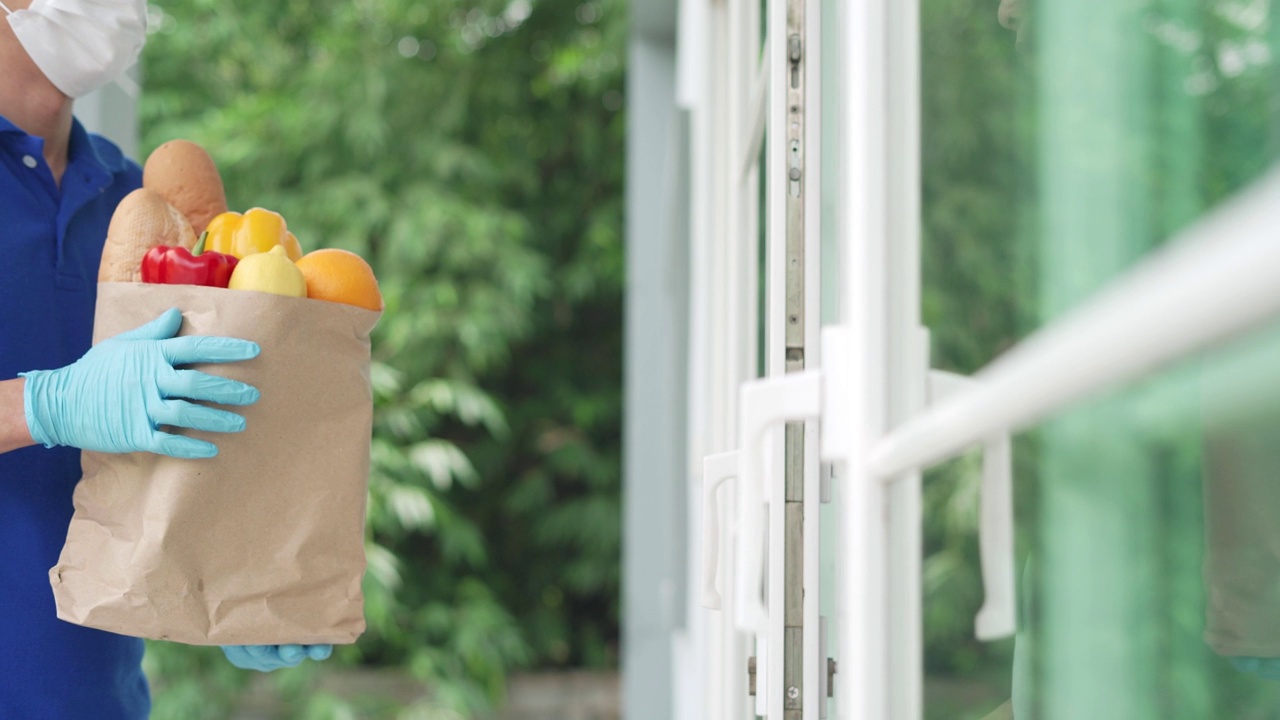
column 58, row 188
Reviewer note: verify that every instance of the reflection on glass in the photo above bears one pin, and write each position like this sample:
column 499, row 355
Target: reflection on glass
column 1241, row 410
column 1156, row 563
column 1063, row 142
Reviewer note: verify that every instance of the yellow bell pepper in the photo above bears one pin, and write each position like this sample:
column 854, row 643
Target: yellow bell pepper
column 254, row 232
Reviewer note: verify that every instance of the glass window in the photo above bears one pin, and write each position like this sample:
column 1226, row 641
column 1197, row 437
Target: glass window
column 1152, row 575
column 1059, row 151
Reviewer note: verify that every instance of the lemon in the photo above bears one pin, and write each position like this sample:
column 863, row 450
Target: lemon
column 271, row 272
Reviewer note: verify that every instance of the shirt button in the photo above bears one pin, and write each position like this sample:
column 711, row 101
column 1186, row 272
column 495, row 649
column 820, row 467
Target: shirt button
column 29, row 161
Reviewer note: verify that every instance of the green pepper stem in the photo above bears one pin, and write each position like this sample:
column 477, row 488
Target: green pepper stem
column 199, row 248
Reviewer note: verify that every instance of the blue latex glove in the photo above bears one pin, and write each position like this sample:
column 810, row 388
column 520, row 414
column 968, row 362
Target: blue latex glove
column 114, row 398
column 265, row 658
column 1265, row 668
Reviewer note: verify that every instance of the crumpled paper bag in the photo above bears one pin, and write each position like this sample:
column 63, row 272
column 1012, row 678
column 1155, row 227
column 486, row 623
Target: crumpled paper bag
column 263, row 544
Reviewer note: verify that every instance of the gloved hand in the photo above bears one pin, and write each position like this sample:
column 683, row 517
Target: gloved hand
column 114, row 398
column 265, row 658
column 1265, row 668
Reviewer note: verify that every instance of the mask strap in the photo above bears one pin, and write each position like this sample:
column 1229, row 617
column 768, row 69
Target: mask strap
column 6, row 8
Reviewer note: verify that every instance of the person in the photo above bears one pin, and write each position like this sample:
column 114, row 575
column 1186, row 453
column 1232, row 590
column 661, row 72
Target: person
column 58, row 188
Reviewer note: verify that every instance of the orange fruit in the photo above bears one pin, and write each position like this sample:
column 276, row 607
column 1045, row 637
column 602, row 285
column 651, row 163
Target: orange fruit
column 340, row 276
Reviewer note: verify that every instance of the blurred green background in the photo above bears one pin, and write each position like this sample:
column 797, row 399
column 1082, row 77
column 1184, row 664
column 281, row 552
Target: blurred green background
column 1053, row 165
column 472, row 151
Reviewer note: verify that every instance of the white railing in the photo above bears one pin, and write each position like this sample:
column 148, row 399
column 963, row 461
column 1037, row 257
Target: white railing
column 1220, row 278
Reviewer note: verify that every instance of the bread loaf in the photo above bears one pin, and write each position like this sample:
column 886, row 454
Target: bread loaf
column 141, row 221
column 182, row 173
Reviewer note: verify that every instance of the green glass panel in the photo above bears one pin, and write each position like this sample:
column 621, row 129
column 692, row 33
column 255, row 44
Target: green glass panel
column 1154, row 567
column 1057, row 155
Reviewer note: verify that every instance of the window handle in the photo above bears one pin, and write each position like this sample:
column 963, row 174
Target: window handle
column 716, row 470
column 764, row 404
column 998, row 617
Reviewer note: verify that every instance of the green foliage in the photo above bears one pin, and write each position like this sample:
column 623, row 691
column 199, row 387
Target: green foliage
column 191, row 683
column 978, row 270
column 472, row 152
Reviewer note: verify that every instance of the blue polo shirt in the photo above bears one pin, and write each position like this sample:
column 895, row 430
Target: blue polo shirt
column 50, row 243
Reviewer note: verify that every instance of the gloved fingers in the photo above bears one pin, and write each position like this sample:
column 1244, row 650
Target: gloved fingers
column 262, row 658
column 265, row 658
column 196, row 385
column 184, row 448
column 192, row 349
column 274, row 657
column 165, row 326
column 180, row 413
column 319, row 652
column 237, row 656
column 250, row 657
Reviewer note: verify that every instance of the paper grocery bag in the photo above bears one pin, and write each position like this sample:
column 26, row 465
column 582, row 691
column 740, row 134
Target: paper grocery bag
column 263, row 544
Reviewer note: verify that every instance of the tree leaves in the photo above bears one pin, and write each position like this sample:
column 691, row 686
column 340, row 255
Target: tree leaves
column 467, row 151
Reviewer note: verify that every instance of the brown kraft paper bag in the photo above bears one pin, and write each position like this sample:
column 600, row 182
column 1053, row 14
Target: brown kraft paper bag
column 263, row 544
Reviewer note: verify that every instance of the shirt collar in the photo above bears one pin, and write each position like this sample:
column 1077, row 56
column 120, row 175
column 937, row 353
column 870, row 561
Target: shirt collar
column 8, row 128
column 83, row 155
column 82, row 152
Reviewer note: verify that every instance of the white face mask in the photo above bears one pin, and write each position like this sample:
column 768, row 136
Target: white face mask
column 81, row 45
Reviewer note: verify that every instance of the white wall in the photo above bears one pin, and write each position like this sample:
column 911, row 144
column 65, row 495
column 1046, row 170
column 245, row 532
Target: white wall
column 113, row 113
column 654, row 443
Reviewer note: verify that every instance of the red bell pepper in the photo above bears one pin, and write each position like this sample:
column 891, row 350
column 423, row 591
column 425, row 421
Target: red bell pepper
column 173, row 265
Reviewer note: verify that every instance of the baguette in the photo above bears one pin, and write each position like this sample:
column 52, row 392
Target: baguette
column 142, row 221
column 182, row 173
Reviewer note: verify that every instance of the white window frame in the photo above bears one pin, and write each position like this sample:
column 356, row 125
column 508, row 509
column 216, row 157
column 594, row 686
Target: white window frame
column 722, row 86
column 1217, row 280
column 879, row 426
